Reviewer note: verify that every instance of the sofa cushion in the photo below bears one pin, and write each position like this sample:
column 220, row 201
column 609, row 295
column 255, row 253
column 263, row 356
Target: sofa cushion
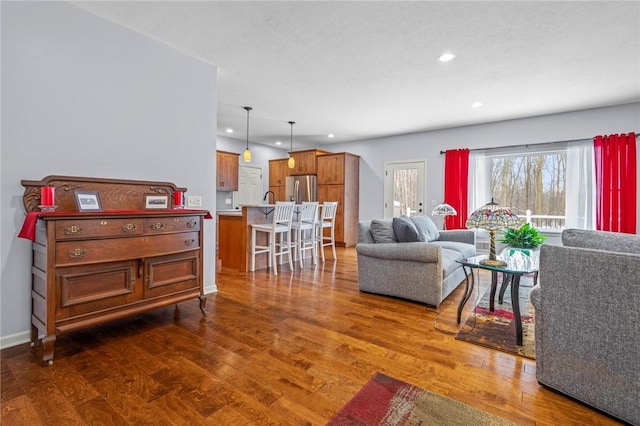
column 405, row 230
column 382, row 231
column 449, row 263
column 601, row 240
column 466, row 250
column 427, row 229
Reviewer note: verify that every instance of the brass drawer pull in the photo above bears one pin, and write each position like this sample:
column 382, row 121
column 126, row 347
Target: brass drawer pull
column 191, row 224
column 157, row 226
column 72, row 230
column 76, row 253
column 129, row 227
column 190, row 241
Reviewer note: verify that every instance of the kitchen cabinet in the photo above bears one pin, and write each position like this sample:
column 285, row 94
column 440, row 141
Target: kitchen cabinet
column 306, row 162
column 227, row 171
column 338, row 180
column 278, row 173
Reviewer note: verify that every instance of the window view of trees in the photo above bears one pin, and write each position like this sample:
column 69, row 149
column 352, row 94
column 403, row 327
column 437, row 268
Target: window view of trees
column 404, row 192
column 532, row 182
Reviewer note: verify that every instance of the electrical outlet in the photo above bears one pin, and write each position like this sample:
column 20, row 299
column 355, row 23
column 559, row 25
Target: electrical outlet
column 194, row 201
column 227, row 201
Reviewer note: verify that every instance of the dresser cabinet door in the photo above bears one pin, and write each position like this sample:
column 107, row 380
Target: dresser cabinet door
column 95, row 288
column 171, row 274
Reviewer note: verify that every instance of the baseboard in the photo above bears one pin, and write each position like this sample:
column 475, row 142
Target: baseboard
column 15, row 339
column 210, row 289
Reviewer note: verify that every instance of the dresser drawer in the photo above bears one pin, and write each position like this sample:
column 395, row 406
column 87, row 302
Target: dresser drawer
column 159, row 225
column 98, row 228
column 93, row 251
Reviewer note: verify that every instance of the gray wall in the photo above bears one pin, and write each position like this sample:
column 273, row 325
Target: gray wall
column 84, row 97
column 427, row 145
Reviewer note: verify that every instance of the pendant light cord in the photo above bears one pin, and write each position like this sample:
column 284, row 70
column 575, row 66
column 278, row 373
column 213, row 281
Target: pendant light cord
column 292, row 123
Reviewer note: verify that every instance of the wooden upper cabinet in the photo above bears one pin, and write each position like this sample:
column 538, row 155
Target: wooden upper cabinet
column 227, row 171
column 331, row 169
column 278, row 172
column 306, row 162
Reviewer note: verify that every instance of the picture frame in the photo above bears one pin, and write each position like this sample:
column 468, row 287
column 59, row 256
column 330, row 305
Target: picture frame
column 87, row 201
column 156, row 201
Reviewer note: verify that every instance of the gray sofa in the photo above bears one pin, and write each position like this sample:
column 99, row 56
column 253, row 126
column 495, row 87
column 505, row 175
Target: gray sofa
column 424, row 271
column 587, row 320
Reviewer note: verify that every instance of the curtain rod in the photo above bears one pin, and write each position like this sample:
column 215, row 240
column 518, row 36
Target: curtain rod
column 529, row 144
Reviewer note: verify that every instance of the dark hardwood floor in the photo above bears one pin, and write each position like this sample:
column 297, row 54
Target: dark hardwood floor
column 291, row 349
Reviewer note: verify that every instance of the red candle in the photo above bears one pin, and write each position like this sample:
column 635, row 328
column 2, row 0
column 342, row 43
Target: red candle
column 47, row 195
column 177, row 199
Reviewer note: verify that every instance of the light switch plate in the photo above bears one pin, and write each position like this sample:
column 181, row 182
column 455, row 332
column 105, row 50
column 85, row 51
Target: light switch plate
column 194, row 201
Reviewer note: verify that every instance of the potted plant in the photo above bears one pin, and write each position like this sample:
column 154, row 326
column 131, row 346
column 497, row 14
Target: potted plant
column 525, row 237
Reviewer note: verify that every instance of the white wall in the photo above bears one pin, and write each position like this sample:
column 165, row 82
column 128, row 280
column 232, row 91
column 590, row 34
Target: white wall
column 427, row 145
column 84, row 97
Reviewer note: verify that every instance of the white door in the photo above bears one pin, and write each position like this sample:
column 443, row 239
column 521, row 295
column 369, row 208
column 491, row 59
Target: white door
column 404, row 184
column 249, row 186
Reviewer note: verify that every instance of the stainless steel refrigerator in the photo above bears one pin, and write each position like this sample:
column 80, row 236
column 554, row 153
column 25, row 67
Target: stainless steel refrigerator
column 302, row 188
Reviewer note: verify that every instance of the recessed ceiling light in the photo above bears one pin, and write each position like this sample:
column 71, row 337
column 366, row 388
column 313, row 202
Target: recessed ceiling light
column 331, row 135
column 476, row 104
column 446, row 57
column 229, row 130
column 278, row 143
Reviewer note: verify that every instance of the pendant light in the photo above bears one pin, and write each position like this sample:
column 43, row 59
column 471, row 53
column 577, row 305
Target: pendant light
column 247, row 152
column 292, row 162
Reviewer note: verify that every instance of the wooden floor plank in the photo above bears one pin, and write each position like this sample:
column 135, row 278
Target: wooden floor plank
column 282, row 350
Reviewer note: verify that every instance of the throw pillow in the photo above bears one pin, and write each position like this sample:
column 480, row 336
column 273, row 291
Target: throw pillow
column 428, row 230
column 405, row 230
column 382, row 231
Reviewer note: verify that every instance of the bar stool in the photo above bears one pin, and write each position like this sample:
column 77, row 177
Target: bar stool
column 281, row 226
column 327, row 220
column 304, row 231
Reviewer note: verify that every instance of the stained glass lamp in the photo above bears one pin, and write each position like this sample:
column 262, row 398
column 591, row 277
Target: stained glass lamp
column 492, row 217
column 443, row 210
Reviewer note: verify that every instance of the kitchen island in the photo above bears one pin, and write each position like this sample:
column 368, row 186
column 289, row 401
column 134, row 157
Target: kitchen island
column 234, row 236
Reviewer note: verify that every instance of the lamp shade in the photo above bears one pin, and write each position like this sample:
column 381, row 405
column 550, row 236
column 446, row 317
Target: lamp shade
column 444, row 209
column 492, row 217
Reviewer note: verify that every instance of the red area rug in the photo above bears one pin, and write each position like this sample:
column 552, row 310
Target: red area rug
column 496, row 329
column 388, row 401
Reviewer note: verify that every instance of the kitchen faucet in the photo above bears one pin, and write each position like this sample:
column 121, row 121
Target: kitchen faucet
column 266, row 195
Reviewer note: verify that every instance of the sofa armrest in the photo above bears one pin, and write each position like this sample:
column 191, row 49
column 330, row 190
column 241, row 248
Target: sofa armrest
column 416, row 252
column 458, row 235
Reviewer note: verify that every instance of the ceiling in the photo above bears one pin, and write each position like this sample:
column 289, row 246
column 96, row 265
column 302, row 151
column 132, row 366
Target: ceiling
column 362, row 70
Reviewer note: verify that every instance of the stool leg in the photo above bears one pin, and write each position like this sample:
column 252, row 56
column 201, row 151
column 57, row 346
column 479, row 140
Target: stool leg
column 333, row 242
column 252, row 266
column 273, row 254
column 299, row 246
column 321, row 241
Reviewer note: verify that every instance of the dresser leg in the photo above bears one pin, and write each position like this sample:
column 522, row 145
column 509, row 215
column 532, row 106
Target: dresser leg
column 176, row 312
column 203, row 302
column 47, row 344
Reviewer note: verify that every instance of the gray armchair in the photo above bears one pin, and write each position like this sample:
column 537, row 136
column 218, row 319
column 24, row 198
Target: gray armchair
column 587, row 320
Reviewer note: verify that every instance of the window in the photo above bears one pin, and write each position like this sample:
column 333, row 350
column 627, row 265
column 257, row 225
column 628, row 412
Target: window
column 552, row 188
column 533, row 186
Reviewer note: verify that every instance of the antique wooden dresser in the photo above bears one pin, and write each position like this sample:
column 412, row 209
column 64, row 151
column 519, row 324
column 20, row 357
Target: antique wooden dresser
column 97, row 266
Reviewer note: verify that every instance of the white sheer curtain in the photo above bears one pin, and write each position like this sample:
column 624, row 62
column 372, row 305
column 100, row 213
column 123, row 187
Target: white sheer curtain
column 479, row 180
column 580, row 204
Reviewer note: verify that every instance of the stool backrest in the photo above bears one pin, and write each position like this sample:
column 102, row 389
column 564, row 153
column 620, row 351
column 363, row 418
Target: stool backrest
column 283, row 213
column 329, row 211
column 308, row 212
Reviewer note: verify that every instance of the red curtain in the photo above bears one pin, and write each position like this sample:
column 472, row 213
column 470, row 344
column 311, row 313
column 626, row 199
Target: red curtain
column 616, row 184
column 456, row 186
